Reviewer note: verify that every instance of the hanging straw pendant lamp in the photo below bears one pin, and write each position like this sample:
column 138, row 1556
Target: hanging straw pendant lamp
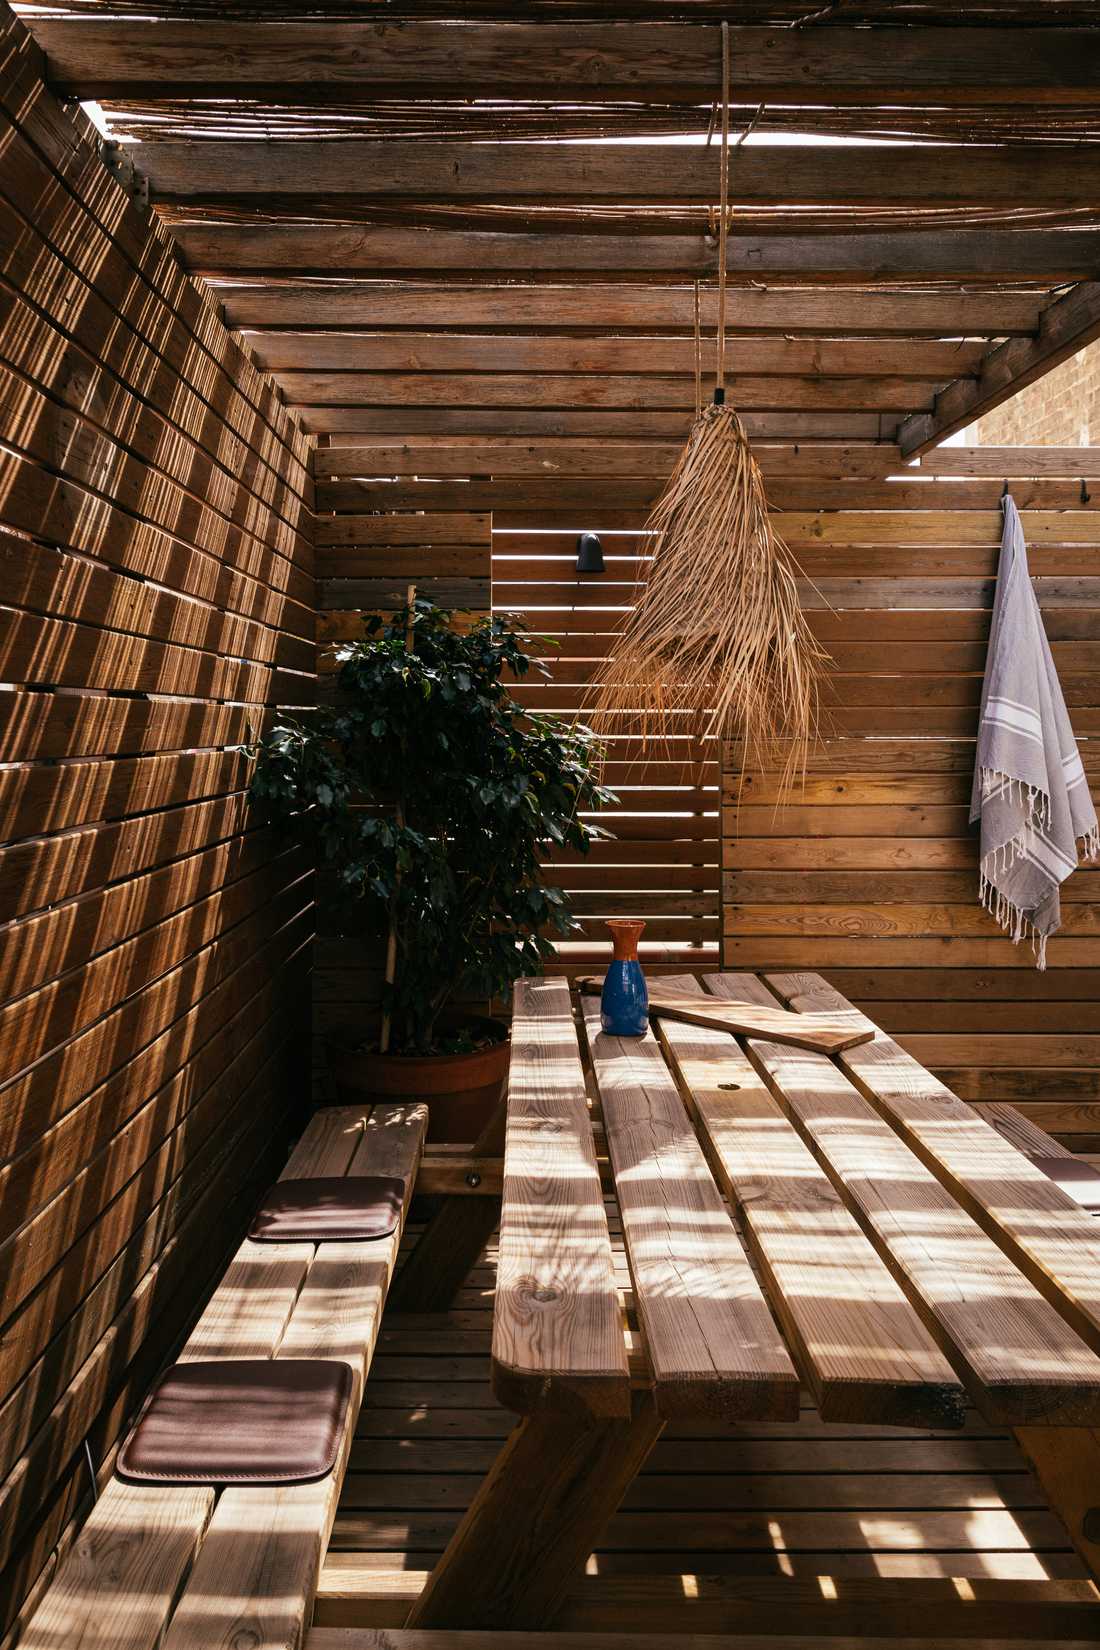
column 718, row 629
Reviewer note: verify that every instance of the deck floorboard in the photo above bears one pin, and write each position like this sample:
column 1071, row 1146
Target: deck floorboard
column 763, row 1526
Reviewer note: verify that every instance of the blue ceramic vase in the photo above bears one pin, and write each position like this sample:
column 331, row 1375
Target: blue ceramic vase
column 624, row 1002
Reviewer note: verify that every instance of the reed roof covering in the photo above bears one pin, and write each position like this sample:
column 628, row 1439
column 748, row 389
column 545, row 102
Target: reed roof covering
column 427, row 227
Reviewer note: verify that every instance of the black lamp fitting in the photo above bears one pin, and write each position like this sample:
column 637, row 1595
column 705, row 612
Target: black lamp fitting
column 589, row 554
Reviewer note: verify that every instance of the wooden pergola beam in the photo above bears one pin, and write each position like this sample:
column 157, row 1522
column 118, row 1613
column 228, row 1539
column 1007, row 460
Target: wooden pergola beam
column 396, row 422
column 549, row 311
column 1065, row 327
column 598, row 389
column 653, row 174
column 576, row 460
column 1080, row 463
column 1049, row 256
column 448, row 352
column 109, row 58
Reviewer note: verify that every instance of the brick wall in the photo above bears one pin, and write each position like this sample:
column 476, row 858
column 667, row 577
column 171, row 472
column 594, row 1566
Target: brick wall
column 1060, row 410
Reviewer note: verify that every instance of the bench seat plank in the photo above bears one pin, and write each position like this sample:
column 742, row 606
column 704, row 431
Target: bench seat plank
column 712, row 1343
column 1018, row 1358
column 557, row 1318
column 862, row 1350
column 388, row 1638
column 1045, row 1232
column 256, row 1575
column 119, row 1580
column 117, row 1586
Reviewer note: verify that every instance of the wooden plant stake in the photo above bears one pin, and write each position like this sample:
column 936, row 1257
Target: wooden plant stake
column 390, row 973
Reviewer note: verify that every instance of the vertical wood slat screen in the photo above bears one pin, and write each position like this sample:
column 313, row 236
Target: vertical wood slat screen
column 871, row 875
column 155, row 536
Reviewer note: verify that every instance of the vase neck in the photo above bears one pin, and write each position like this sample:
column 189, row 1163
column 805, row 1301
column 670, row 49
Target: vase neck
column 624, row 940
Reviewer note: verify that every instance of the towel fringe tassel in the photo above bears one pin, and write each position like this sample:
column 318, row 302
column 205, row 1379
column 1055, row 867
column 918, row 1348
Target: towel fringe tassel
column 1016, row 922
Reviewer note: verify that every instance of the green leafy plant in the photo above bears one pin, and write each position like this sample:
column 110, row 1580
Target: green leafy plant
column 430, row 799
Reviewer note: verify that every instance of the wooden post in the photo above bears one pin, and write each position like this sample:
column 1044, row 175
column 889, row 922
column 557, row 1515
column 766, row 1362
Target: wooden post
column 390, row 972
column 1066, row 1461
column 454, row 1238
column 536, row 1518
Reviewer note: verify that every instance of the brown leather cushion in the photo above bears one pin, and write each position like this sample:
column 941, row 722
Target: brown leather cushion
column 241, row 1421
column 1079, row 1180
column 341, row 1208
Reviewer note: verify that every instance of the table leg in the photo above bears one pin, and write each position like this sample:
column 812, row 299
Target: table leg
column 1066, row 1461
column 537, row 1516
column 453, row 1239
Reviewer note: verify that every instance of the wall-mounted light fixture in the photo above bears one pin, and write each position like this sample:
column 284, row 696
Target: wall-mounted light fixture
column 589, row 553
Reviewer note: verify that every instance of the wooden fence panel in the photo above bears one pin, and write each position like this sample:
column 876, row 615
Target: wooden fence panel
column 156, row 535
column 870, row 875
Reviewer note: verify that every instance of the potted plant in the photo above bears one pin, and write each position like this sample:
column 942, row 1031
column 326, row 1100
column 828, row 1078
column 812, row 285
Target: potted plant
column 430, row 799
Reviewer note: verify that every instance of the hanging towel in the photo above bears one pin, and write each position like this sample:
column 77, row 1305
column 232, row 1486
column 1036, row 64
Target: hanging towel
column 1030, row 791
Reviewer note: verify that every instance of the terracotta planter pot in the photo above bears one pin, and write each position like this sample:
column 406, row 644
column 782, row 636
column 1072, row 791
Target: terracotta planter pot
column 461, row 1090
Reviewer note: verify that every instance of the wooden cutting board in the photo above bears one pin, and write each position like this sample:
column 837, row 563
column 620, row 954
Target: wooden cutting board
column 824, row 1033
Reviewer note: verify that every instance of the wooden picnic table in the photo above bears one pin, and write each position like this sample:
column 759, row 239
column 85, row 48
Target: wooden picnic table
column 791, row 1219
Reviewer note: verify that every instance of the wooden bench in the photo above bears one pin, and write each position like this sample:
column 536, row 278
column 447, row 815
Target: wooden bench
column 910, row 1259
column 386, row 1638
column 189, row 1567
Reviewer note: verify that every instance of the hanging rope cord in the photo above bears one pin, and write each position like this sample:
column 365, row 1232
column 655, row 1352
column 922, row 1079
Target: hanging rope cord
column 698, row 357
column 723, row 218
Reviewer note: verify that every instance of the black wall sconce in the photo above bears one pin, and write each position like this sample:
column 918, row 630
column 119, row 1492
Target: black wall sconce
column 589, row 553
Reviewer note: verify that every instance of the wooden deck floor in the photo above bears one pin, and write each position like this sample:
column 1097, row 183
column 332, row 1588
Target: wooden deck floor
column 767, row 1528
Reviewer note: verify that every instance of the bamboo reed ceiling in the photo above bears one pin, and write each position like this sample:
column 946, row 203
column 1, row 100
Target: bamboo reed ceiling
column 413, row 216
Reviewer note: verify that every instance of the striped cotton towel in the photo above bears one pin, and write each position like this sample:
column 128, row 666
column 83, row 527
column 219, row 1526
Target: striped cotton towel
column 1030, row 790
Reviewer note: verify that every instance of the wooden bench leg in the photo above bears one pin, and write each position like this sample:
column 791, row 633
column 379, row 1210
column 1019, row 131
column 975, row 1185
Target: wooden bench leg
column 453, row 1239
column 534, row 1521
column 1066, row 1461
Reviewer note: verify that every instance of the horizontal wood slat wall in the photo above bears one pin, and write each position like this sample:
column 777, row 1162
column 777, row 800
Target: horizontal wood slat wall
column 870, row 875
column 158, row 603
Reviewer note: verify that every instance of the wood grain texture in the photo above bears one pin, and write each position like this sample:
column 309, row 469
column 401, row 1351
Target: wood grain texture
column 155, row 535
column 1045, row 1231
column 536, row 1517
column 611, row 310
column 710, row 1340
column 557, row 1325
column 262, row 1550
column 860, row 1347
column 121, row 1582
column 1017, row 1356
column 803, row 175
column 97, row 57
column 752, row 1020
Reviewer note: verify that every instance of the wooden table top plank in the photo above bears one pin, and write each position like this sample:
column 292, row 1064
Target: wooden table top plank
column 557, row 1320
column 825, row 1033
column 1018, row 1358
column 256, row 1575
column 117, row 1587
column 712, row 1343
column 861, row 1348
column 1040, row 1227
column 1025, row 1135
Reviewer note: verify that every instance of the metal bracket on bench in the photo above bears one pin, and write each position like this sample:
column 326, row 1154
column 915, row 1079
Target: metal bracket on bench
column 116, row 158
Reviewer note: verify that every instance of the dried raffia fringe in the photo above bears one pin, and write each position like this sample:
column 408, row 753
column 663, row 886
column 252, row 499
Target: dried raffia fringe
column 1016, row 922
column 718, row 629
